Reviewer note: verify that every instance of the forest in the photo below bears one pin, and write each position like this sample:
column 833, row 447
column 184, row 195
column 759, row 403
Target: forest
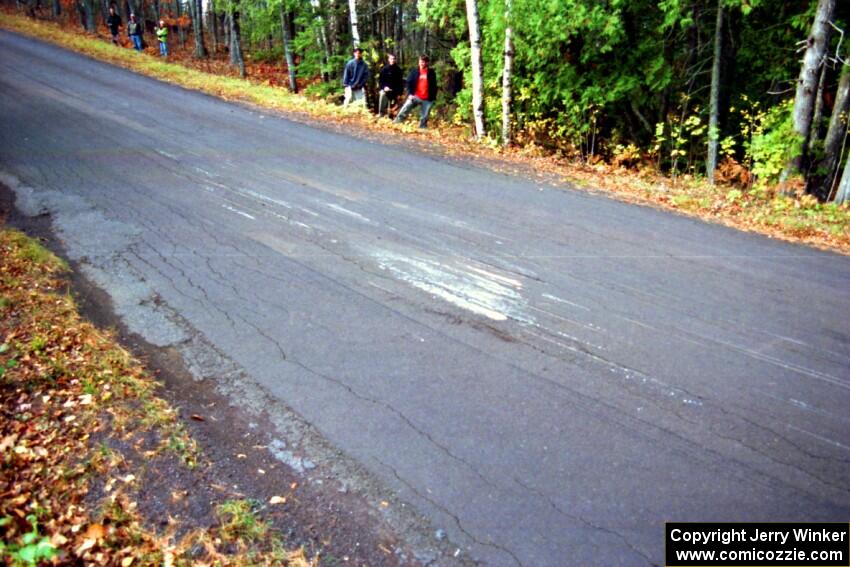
column 749, row 92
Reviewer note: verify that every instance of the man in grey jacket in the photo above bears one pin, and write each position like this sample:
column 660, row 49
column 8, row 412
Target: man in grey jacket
column 354, row 79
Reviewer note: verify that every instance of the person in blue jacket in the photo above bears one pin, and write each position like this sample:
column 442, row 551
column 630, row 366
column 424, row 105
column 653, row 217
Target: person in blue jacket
column 354, row 79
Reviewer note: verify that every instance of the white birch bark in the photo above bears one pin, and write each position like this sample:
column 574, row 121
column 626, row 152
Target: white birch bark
column 477, row 69
column 807, row 84
column 507, row 75
column 355, row 35
column 287, row 48
column 714, row 103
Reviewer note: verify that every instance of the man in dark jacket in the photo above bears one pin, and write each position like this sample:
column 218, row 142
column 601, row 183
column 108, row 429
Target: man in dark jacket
column 113, row 22
column 421, row 91
column 354, row 79
column 390, row 85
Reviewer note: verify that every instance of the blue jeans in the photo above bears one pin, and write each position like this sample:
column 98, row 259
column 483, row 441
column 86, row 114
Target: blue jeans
column 424, row 110
column 137, row 42
column 163, row 48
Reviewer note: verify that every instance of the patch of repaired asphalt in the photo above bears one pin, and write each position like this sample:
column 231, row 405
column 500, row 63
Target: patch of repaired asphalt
column 338, row 507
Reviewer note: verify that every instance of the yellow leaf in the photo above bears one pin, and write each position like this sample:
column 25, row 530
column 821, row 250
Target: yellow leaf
column 127, row 561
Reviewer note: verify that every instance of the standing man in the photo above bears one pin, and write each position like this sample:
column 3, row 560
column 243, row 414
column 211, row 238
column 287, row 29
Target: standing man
column 113, row 22
column 390, row 84
column 134, row 30
column 421, row 91
column 162, row 36
column 354, row 79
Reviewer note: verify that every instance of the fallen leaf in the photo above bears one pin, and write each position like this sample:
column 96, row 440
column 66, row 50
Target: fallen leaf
column 127, row 561
column 197, row 417
column 88, row 544
column 277, row 500
column 261, row 471
column 95, row 532
column 385, row 504
column 8, row 441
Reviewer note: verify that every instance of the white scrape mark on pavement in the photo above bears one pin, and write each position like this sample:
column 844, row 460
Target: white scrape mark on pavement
column 564, row 301
column 347, row 212
column 205, row 172
column 266, row 198
column 238, row 212
column 826, row 440
column 166, row 154
column 503, row 279
column 458, row 285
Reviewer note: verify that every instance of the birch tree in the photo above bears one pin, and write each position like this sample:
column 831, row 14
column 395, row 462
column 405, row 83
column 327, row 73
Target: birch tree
column 196, row 11
column 507, row 95
column 804, row 99
column 477, row 68
column 287, row 47
column 236, row 39
column 837, row 131
column 355, row 35
column 714, row 101
column 321, row 35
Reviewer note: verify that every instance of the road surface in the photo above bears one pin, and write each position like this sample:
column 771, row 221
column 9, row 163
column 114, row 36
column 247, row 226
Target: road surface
column 544, row 374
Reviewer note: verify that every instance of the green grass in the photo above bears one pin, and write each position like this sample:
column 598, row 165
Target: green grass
column 29, row 250
column 239, row 521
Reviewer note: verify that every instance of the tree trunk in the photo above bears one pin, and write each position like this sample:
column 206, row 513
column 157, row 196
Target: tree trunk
column 804, row 100
column 225, row 24
column 287, row 47
column 88, row 9
column 817, row 115
column 213, row 27
column 196, row 9
column 355, row 34
column 714, row 103
column 181, row 32
column 837, row 131
column 507, row 95
column 236, row 40
column 321, row 36
column 843, row 195
column 57, row 8
column 477, row 69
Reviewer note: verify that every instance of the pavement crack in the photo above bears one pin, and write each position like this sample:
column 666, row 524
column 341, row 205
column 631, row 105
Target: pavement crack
column 401, row 416
column 583, row 520
column 450, row 514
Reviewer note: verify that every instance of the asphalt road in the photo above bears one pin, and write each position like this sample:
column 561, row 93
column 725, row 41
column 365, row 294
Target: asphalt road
column 545, row 374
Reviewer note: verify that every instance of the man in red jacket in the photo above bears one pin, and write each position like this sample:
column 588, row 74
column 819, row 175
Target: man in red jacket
column 421, row 91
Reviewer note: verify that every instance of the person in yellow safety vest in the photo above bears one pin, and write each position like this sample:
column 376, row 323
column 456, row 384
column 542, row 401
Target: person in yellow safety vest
column 162, row 36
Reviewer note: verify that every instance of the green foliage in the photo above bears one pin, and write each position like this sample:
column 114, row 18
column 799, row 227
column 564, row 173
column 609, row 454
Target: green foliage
column 32, row 549
column 774, row 142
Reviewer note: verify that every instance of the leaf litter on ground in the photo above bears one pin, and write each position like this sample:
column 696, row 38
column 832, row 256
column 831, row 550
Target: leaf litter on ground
column 82, row 431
